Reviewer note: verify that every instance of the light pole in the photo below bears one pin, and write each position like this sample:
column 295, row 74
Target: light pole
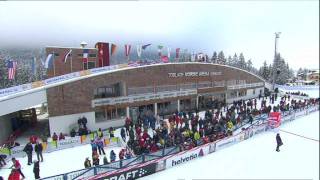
column 274, row 71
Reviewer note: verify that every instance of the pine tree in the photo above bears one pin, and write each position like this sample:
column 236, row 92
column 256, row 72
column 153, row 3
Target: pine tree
column 242, row 61
column 214, row 57
column 249, row 65
column 235, row 60
column 221, row 58
column 229, row 61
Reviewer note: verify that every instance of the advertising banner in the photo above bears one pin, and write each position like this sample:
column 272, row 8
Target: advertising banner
column 15, row 89
column 187, row 156
column 61, row 78
column 59, row 177
column 274, row 119
column 80, row 174
column 225, row 143
column 212, row 147
column 259, row 129
column 68, row 143
column 131, row 174
column 50, row 146
column 18, row 151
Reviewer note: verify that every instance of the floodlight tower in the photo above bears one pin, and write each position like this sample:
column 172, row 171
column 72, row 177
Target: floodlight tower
column 274, row 70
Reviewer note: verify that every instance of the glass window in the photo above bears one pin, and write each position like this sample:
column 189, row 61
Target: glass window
column 100, row 116
column 92, row 55
column 89, row 65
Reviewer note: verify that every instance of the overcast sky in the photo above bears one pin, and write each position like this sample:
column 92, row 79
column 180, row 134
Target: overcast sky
column 205, row 26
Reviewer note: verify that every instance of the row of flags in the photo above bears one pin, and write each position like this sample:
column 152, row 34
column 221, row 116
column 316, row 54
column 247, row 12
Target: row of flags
column 103, row 53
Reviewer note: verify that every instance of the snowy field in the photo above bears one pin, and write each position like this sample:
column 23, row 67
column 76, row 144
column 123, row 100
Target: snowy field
column 256, row 157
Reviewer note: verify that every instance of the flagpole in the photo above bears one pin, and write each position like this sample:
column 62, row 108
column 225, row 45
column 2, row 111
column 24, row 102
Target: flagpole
column 71, row 61
column 54, row 67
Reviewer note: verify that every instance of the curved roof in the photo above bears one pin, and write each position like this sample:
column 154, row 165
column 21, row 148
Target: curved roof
column 21, row 90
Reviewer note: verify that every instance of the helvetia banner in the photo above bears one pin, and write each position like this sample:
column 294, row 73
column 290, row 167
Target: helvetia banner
column 187, row 156
column 134, row 173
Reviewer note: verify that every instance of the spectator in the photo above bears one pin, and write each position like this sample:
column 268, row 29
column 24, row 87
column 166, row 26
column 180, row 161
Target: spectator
column 100, row 145
column 28, row 150
column 61, row 136
column 105, row 160
column 2, row 160
column 99, row 133
column 112, row 156
column 17, row 167
column 54, row 137
column 36, row 170
column 73, row 133
column 14, row 175
column 87, row 163
column 95, row 159
column 123, row 134
column 38, row 149
column 33, row 139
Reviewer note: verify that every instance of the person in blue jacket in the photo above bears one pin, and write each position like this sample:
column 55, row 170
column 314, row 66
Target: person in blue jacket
column 112, row 156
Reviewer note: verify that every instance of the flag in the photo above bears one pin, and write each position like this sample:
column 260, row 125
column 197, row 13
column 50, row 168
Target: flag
column 12, row 66
column 177, row 52
column 127, row 48
column 139, row 50
column 103, row 53
column 168, row 49
column 85, row 55
column 164, row 59
column 113, row 49
column 49, row 61
column 66, row 56
column 159, row 49
column 33, row 66
column 145, row 46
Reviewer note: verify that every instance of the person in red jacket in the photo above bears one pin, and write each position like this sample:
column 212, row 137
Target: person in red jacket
column 17, row 167
column 33, row 139
column 14, row 175
column 121, row 154
column 145, row 135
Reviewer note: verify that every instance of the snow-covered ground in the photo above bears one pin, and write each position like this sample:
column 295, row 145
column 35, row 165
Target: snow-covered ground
column 256, row 157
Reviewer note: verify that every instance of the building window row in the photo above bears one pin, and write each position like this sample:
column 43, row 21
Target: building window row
column 110, row 114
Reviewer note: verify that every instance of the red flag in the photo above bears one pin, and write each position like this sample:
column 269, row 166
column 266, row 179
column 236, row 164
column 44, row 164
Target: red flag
column 103, row 53
column 177, row 52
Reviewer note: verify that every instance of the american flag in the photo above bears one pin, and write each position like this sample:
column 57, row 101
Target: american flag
column 12, row 66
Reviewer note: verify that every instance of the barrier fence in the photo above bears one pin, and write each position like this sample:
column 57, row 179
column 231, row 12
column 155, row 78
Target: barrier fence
column 69, row 142
column 147, row 164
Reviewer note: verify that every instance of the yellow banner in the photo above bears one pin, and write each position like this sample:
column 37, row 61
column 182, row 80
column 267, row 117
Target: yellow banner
column 37, row 84
column 85, row 72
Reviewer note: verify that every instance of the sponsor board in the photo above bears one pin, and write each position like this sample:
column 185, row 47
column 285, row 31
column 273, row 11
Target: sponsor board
column 59, row 177
column 18, row 151
column 16, row 89
column 161, row 165
column 225, row 143
column 212, row 147
column 37, row 84
column 259, row 129
column 67, row 143
column 103, row 69
column 134, row 173
column 186, row 156
column 80, row 174
column 61, row 78
column 143, row 97
column 240, row 137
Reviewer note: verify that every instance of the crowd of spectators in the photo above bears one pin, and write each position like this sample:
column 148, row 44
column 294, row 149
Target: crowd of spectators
column 187, row 129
